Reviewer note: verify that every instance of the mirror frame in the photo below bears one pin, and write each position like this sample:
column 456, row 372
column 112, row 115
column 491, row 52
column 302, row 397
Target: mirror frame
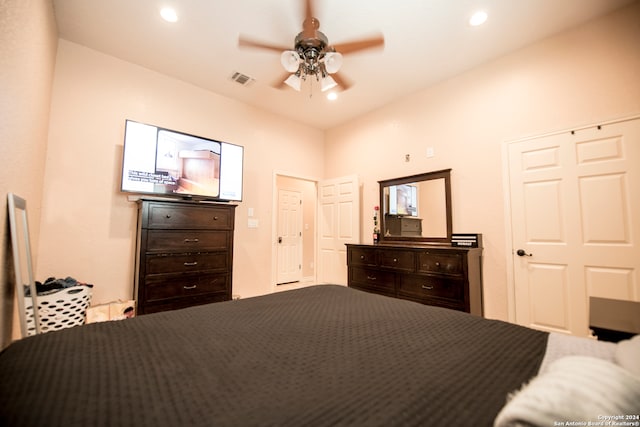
column 22, row 260
column 446, row 174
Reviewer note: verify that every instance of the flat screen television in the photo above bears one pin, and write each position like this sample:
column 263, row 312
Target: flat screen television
column 166, row 162
column 403, row 200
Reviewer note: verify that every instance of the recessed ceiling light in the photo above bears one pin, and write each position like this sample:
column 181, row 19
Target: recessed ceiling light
column 169, row 14
column 332, row 96
column 478, row 18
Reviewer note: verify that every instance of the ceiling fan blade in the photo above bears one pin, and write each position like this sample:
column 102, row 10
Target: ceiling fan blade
column 245, row 42
column 343, row 82
column 357, row 45
column 308, row 10
column 310, row 24
column 280, row 84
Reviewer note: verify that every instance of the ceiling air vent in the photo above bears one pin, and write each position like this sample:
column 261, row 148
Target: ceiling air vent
column 243, row 79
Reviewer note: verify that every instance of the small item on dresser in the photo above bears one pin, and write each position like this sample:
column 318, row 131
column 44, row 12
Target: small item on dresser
column 376, row 230
column 466, row 240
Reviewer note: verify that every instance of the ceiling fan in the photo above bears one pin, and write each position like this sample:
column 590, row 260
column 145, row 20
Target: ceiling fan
column 312, row 56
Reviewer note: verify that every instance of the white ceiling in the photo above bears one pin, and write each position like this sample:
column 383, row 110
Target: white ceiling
column 426, row 41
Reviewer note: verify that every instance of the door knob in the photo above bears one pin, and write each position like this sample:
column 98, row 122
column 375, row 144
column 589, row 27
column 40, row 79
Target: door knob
column 521, row 252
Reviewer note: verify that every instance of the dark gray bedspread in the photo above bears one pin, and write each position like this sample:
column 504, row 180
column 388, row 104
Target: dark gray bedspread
column 319, row 356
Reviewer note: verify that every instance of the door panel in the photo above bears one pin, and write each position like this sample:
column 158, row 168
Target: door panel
column 339, row 224
column 575, row 211
column 289, row 236
column 543, row 212
column 604, row 208
column 549, row 295
column 608, row 282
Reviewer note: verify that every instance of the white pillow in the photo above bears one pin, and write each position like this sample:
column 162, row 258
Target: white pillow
column 575, row 388
column 561, row 345
column 627, row 354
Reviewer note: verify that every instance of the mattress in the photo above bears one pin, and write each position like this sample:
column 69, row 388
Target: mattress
column 325, row 355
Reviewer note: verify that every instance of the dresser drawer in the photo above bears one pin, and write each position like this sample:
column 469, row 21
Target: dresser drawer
column 362, row 256
column 186, row 241
column 371, row 278
column 189, row 217
column 416, row 286
column 187, row 263
column 440, row 263
column 397, row 259
column 176, row 286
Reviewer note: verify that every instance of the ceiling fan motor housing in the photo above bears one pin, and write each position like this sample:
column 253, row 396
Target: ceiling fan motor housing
column 311, row 50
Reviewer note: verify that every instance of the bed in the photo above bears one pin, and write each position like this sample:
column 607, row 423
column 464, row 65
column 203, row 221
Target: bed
column 325, row 355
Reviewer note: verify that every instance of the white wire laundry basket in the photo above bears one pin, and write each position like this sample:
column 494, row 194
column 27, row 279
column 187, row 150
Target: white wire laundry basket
column 59, row 310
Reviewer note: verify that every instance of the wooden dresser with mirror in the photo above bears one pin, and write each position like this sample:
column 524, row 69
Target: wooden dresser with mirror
column 414, row 259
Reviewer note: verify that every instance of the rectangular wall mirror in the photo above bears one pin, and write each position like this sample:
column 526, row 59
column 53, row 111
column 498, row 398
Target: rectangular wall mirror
column 416, row 208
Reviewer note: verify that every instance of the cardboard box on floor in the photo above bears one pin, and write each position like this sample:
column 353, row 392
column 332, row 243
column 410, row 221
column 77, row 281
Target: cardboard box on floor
column 116, row 310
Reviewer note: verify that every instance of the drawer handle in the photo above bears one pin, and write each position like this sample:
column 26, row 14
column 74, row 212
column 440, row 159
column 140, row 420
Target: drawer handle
column 362, row 257
column 191, row 240
column 427, row 287
column 371, row 277
column 190, row 287
column 190, row 264
column 168, row 215
column 395, row 260
column 437, row 264
column 215, row 218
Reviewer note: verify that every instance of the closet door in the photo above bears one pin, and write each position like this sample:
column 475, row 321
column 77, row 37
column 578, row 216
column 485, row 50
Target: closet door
column 575, row 216
column 339, row 224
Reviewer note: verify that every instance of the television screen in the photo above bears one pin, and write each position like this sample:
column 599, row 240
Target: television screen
column 165, row 162
column 403, row 200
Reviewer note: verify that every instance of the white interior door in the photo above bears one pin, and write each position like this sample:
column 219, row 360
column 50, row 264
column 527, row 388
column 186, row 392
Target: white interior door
column 289, row 236
column 575, row 216
column 339, row 223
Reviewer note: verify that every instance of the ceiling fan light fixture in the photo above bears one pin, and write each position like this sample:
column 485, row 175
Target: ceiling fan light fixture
column 327, row 83
column 332, row 62
column 478, row 18
column 169, row 14
column 294, row 82
column 290, row 60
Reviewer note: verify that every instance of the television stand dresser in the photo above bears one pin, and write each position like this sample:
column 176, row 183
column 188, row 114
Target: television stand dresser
column 184, row 254
column 439, row 275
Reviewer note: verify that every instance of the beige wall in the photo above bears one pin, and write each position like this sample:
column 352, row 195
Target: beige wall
column 88, row 225
column 586, row 75
column 28, row 40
